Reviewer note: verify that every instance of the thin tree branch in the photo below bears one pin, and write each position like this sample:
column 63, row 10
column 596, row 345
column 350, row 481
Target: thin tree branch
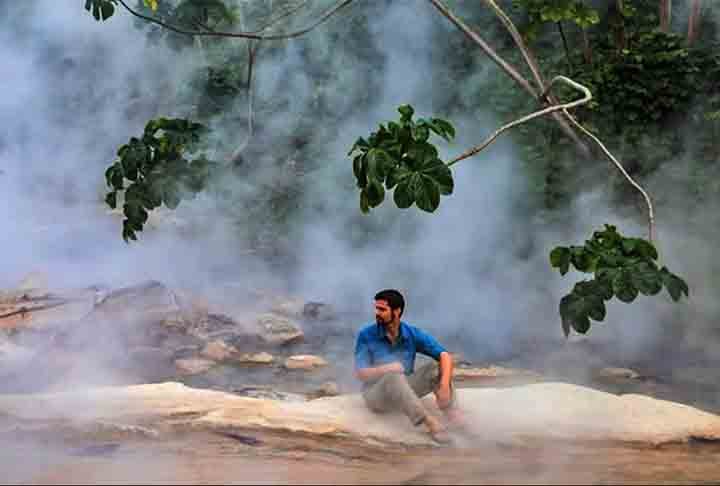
column 245, row 35
column 282, row 15
column 648, row 202
column 545, row 111
column 520, row 43
column 567, row 49
column 252, row 50
column 587, row 96
column 504, row 65
column 535, row 69
column 509, row 69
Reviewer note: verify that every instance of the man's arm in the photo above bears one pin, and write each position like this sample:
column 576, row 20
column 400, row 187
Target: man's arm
column 428, row 345
column 446, row 369
column 364, row 371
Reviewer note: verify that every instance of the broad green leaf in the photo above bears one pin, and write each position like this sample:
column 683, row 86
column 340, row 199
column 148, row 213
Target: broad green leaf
column 395, row 175
column 106, row 10
column 375, row 193
column 378, row 163
column 575, row 310
column 111, row 199
column 628, row 245
column 646, row 249
column 441, row 175
column 581, row 259
column 406, row 111
column 404, row 195
column 420, row 133
column 646, row 279
column 560, row 259
column 443, row 128
column 427, row 194
column 676, row 286
column 623, row 286
column 359, row 171
column 364, row 203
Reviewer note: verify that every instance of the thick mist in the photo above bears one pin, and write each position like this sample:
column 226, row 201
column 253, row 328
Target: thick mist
column 475, row 273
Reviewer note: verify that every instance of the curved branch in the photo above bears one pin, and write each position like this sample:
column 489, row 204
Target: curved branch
column 534, row 68
column 245, row 35
column 508, row 68
column 504, row 65
column 587, row 96
column 520, row 43
column 545, row 111
column 648, row 202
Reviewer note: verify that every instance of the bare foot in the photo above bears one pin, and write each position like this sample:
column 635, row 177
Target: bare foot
column 455, row 418
column 437, row 430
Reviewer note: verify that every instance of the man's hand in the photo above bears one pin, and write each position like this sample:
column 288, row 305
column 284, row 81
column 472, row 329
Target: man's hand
column 365, row 374
column 393, row 367
column 443, row 396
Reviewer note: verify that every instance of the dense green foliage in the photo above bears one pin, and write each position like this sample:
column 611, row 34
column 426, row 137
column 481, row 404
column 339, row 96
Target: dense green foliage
column 154, row 169
column 622, row 268
column 400, row 157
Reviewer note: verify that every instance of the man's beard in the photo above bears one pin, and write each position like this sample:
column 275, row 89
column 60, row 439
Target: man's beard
column 380, row 321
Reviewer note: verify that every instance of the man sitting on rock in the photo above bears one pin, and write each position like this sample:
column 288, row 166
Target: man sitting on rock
column 385, row 363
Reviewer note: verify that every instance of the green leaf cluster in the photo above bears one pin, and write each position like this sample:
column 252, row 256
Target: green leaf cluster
column 154, row 169
column 622, row 267
column 399, row 157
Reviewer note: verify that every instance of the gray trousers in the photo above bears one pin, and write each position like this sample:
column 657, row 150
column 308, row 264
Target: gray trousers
column 396, row 391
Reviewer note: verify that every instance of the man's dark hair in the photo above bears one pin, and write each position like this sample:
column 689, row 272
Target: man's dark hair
column 394, row 299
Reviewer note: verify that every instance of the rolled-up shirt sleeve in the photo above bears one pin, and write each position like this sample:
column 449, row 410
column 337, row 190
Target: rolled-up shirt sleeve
column 428, row 345
column 362, row 353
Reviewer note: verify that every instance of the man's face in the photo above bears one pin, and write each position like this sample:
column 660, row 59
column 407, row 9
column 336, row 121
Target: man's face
column 383, row 314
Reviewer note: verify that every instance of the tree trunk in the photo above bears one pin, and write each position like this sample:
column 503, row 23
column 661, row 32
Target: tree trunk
column 665, row 9
column 587, row 48
column 617, row 24
column 694, row 20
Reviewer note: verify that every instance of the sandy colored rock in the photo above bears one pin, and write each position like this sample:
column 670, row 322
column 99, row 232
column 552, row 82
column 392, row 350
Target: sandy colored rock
column 217, row 351
column 491, row 372
column 291, row 307
column 279, row 330
column 611, row 373
column 327, row 389
column 254, row 358
column 538, row 411
column 193, row 366
column 304, row 362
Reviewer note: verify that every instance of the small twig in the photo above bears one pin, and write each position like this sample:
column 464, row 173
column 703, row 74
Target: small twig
column 245, row 35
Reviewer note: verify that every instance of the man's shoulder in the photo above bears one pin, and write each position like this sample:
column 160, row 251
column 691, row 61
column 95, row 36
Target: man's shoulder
column 416, row 332
column 412, row 329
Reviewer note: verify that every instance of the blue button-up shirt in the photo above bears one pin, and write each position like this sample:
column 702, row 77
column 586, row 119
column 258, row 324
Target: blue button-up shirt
column 373, row 347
